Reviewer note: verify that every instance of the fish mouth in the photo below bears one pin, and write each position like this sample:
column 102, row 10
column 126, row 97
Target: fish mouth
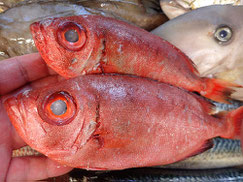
column 13, row 106
column 17, row 108
column 35, row 29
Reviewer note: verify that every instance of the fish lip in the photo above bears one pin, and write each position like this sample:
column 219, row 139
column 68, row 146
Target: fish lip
column 13, row 107
column 37, row 34
column 35, row 27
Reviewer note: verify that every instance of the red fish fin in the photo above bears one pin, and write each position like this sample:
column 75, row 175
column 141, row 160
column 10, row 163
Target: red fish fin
column 208, row 107
column 218, row 90
column 208, row 144
column 234, row 120
column 191, row 65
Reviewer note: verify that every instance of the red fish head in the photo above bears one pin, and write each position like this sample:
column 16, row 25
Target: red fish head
column 66, row 44
column 55, row 121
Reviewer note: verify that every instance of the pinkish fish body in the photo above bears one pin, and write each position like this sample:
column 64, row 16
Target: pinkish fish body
column 115, row 122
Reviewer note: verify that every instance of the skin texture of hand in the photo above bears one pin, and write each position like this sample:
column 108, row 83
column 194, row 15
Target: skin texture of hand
column 15, row 73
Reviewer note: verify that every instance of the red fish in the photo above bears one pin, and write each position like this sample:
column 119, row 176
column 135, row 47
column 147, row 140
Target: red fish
column 115, row 122
column 78, row 45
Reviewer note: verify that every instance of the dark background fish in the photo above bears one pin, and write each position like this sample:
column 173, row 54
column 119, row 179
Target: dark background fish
column 225, row 153
column 156, row 175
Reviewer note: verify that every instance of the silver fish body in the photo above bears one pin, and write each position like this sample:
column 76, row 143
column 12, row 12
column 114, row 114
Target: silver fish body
column 227, row 107
column 225, row 153
column 159, row 175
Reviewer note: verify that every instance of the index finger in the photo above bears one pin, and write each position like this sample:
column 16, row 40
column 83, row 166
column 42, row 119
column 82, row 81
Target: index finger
column 17, row 71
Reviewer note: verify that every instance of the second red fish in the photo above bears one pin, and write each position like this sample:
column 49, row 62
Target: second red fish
column 79, row 45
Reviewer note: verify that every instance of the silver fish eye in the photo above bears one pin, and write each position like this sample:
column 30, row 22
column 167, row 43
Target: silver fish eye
column 71, row 36
column 223, row 34
column 59, row 107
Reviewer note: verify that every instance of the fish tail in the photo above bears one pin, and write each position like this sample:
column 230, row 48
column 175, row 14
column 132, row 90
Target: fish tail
column 234, row 121
column 218, row 90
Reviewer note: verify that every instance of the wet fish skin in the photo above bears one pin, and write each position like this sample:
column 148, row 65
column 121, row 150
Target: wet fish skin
column 174, row 8
column 116, row 118
column 196, row 39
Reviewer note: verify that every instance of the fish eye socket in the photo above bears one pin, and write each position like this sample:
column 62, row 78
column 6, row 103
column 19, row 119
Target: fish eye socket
column 58, row 108
column 223, row 34
column 71, row 36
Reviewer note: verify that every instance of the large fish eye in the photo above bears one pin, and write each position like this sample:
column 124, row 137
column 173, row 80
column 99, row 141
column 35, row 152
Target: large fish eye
column 223, row 34
column 71, row 36
column 58, row 108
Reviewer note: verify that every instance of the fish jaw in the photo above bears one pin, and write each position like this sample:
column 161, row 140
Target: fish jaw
column 68, row 63
column 21, row 117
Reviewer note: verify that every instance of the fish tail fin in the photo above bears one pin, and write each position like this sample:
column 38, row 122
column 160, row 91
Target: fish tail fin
column 218, row 90
column 234, row 121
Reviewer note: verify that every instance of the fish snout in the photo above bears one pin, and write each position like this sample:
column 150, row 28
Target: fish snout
column 34, row 25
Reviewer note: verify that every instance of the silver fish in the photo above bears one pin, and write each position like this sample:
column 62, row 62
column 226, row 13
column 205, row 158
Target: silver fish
column 212, row 38
column 174, row 8
column 225, row 153
column 158, row 175
column 227, row 107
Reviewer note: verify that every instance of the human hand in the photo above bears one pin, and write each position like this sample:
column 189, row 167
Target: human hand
column 17, row 72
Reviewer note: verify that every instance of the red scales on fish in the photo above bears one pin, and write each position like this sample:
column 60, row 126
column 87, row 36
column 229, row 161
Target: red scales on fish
column 79, row 45
column 105, row 122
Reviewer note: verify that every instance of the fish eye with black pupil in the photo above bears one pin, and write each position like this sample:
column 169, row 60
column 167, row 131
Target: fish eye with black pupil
column 223, row 34
column 71, row 35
